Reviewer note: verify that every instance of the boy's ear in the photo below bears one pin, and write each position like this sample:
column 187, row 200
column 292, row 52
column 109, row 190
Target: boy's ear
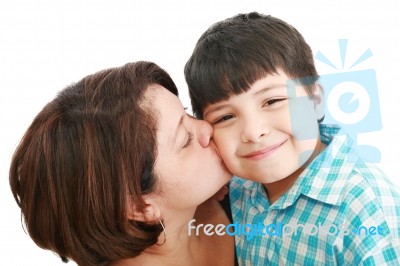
column 318, row 100
column 148, row 214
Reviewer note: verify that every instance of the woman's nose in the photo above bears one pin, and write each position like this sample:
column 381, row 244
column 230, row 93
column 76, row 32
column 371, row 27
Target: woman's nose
column 204, row 132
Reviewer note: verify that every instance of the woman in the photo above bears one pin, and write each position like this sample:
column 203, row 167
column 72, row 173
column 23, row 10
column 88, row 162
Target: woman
column 112, row 170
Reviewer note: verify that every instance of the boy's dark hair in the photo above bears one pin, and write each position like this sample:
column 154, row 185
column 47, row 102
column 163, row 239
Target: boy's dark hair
column 234, row 53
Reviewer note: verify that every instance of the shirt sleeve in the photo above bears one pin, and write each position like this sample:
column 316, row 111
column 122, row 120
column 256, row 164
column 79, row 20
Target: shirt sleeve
column 387, row 255
column 372, row 224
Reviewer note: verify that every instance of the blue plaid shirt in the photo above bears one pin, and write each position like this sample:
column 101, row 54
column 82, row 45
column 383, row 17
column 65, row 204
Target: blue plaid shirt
column 340, row 211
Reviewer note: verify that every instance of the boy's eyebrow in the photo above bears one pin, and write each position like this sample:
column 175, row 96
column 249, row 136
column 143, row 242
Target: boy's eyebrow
column 274, row 86
column 216, row 108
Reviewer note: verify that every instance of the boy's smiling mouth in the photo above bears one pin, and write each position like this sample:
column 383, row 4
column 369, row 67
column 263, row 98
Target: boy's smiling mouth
column 263, row 153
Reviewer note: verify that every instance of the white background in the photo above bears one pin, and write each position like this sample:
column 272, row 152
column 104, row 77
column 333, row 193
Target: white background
column 47, row 45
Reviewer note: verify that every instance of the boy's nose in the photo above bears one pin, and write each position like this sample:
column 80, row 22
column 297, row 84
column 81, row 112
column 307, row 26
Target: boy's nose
column 204, row 132
column 254, row 130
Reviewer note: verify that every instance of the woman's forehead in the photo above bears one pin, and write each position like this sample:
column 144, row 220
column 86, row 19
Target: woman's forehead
column 168, row 107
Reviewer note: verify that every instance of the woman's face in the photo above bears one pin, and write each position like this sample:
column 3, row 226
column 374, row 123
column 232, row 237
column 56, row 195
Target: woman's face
column 187, row 164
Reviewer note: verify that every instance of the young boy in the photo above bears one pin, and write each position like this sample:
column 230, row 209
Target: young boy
column 306, row 197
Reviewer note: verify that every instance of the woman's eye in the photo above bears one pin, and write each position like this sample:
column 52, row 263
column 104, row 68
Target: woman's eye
column 189, row 140
column 223, row 118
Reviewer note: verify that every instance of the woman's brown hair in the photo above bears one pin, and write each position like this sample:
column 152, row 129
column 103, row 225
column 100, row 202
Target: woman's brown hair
column 85, row 155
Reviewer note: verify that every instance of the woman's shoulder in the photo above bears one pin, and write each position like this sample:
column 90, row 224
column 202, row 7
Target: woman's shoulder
column 217, row 244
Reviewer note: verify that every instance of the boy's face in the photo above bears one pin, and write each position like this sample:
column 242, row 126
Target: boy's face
column 268, row 132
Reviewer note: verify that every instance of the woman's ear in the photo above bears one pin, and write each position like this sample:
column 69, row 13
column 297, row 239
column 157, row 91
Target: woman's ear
column 149, row 213
column 318, row 100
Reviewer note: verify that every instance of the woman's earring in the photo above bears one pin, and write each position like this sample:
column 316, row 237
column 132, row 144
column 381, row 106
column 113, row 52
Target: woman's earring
column 321, row 119
column 165, row 235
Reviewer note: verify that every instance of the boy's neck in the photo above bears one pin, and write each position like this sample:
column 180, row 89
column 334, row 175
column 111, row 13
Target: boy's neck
column 277, row 189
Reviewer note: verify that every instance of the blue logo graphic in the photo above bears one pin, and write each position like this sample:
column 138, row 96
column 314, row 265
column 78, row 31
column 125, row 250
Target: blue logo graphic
column 350, row 100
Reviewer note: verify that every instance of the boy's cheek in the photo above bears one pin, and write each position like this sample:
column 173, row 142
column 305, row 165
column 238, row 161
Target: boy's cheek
column 220, row 139
column 225, row 148
column 230, row 162
column 227, row 143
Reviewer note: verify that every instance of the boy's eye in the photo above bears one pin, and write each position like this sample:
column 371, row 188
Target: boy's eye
column 222, row 119
column 273, row 101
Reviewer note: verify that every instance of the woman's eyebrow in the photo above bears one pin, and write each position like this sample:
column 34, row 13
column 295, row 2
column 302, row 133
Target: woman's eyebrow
column 179, row 125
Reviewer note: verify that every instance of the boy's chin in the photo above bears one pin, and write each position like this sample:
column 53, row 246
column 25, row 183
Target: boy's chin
column 264, row 179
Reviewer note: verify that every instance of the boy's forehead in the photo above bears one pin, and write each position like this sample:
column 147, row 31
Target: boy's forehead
column 268, row 82
column 262, row 89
